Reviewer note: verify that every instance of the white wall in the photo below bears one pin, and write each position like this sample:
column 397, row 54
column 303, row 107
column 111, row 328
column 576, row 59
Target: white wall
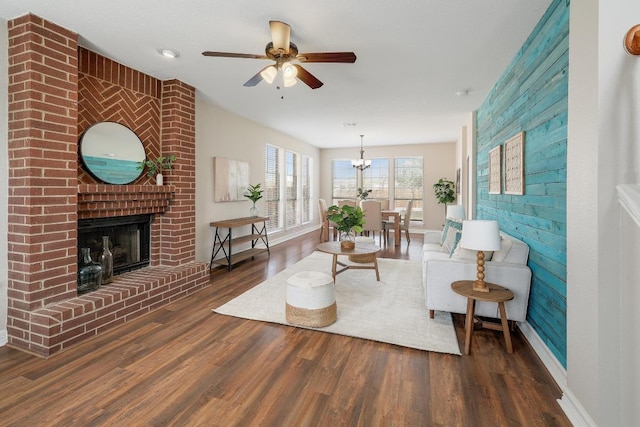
column 4, row 182
column 439, row 161
column 220, row 133
column 603, row 151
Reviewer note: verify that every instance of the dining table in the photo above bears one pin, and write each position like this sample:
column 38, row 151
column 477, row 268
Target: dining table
column 392, row 216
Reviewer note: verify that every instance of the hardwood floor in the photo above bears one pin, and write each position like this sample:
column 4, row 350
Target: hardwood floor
column 185, row 365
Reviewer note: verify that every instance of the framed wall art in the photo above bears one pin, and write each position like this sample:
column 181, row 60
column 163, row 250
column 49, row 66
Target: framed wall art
column 495, row 175
column 514, row 165
column 231, row 179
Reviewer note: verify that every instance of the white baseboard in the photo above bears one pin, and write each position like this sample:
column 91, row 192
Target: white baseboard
column 4, row 337
column 569, row 404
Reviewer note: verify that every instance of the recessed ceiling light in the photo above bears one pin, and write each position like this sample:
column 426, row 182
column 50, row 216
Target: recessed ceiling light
column 462, row 93
column 168, row 53
column 349, row 125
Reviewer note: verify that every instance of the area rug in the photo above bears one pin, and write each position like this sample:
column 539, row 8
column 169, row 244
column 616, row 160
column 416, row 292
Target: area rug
column 391, row 310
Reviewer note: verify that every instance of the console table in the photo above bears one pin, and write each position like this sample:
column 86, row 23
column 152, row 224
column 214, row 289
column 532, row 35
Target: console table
column 226, row 242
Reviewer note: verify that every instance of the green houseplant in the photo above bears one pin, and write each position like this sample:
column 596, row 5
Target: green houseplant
column 254, row 193
column 363, row 194
column 445, row 192
column 349, row 220
column 155, row 167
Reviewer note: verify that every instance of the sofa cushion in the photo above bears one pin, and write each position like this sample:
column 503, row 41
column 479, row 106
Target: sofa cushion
column 450, row 222
column 450, row 241
column 505, row 247
column 462, row 253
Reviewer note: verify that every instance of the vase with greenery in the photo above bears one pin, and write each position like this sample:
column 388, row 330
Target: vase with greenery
column 348, row 220
column 363, row 194
column 155, row 167
column 445, row 192
column 254, row 193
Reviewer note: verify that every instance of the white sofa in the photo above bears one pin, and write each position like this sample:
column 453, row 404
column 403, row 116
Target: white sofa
column 506, row 267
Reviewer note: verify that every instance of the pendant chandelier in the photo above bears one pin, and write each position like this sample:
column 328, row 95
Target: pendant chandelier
column 361, row 164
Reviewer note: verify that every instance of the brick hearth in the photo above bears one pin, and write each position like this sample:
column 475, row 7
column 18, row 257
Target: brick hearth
column 56, row 91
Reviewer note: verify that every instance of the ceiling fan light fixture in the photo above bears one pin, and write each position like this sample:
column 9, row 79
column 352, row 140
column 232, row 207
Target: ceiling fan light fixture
column 289, row 71
column 289, row 81
column 269, row 74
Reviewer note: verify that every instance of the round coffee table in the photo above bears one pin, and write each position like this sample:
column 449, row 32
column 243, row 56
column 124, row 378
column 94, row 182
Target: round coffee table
column 360, row 249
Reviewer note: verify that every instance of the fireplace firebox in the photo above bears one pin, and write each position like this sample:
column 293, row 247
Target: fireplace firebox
column 129, row 240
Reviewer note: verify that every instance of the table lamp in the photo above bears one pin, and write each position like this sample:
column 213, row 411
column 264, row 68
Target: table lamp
column 455, row 211
column 480, row 235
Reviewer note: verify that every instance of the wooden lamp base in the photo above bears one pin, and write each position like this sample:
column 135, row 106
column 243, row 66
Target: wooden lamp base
column 479, row 285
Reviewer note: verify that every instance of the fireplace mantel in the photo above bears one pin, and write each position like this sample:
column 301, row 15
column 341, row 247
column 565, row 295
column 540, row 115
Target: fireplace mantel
column 106, row 200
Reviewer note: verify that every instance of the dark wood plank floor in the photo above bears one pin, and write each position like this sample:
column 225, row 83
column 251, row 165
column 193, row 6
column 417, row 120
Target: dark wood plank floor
column 185, row 365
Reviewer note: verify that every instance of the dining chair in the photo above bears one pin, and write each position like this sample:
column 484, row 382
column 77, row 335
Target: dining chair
column 372, row 218
column 347, row 202
column 384, row 203
column 322, row 208
column 404, row 223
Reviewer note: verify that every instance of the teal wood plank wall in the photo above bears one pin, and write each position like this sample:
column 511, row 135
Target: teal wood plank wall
column 531, row 96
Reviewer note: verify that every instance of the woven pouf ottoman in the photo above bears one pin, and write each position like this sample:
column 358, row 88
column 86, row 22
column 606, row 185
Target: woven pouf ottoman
column 311, row 299
column 363, row 259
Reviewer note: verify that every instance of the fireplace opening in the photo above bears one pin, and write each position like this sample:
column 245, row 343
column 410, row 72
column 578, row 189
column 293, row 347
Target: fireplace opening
column 129, row 240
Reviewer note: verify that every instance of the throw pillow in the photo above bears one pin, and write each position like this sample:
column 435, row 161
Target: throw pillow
column 462, row 253
column 505, row 247
column 450, row 222
column 450, row 241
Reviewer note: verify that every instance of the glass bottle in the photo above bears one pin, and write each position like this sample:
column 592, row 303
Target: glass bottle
column 89, row 273
column 106, row 261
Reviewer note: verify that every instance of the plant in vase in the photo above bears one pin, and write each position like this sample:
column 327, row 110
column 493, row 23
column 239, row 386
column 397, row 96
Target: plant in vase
column 349, row 220
column 254, row 193
column 445, row 192
column 363, row 194
column 155, row 167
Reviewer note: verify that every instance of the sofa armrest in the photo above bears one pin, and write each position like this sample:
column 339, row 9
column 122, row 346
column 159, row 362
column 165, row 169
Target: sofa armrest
column 433, row 236
column 438, row 274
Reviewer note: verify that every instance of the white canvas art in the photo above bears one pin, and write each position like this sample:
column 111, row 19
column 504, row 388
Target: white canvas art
column 231, row 179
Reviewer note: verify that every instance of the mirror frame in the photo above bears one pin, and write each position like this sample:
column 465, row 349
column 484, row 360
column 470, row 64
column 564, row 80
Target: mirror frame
column 111, row 153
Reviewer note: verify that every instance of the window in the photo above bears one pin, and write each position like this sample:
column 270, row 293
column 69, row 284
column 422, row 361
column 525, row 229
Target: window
column 305, row 180
column 291, row 168
column 376, row 179
column 408, row 184
column 345, row 181
column 272, row 186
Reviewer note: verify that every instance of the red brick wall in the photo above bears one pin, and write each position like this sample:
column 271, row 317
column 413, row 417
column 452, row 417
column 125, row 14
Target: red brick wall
column 48, row 189
column 109, row 91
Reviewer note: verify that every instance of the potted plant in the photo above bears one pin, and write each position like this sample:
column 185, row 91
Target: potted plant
column 254, row 193
column 363, row 194
column 155, row 167
column 445, row 192
column 348, row 220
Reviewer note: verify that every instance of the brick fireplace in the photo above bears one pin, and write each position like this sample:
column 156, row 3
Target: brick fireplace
column 56, row 91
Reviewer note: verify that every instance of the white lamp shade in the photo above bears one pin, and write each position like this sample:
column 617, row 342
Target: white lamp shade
column 480, row 235
column 269, row 73
column 289, row 71
column 455, row 211
column 289, row 81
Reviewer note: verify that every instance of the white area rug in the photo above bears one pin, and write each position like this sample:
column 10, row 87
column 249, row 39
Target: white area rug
column 391, row 310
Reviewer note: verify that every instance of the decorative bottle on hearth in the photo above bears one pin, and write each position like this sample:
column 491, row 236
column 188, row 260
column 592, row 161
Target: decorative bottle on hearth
column 106, row 261
column 89, row 273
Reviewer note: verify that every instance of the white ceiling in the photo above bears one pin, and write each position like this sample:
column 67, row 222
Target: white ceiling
column 413, row 56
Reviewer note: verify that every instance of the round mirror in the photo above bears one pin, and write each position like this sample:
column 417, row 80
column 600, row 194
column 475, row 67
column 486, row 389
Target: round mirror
column 111, row 153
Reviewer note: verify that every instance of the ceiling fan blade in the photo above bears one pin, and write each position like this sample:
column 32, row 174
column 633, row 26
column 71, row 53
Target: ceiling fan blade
column 280, row 35
column 308, row 78
column 345, row 57
column 234, row 55
column 255, row 79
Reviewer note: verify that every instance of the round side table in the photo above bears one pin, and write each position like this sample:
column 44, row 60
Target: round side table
column 496, row 294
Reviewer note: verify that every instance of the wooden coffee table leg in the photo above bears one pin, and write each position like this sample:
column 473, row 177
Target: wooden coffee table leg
column 375, row 265
column 334, row 267
column 505, row 327
column 468, row 325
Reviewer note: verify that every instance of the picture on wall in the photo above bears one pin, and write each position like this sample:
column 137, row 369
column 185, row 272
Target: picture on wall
column 514, row 165
column 231, row 179
column 495, row 175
